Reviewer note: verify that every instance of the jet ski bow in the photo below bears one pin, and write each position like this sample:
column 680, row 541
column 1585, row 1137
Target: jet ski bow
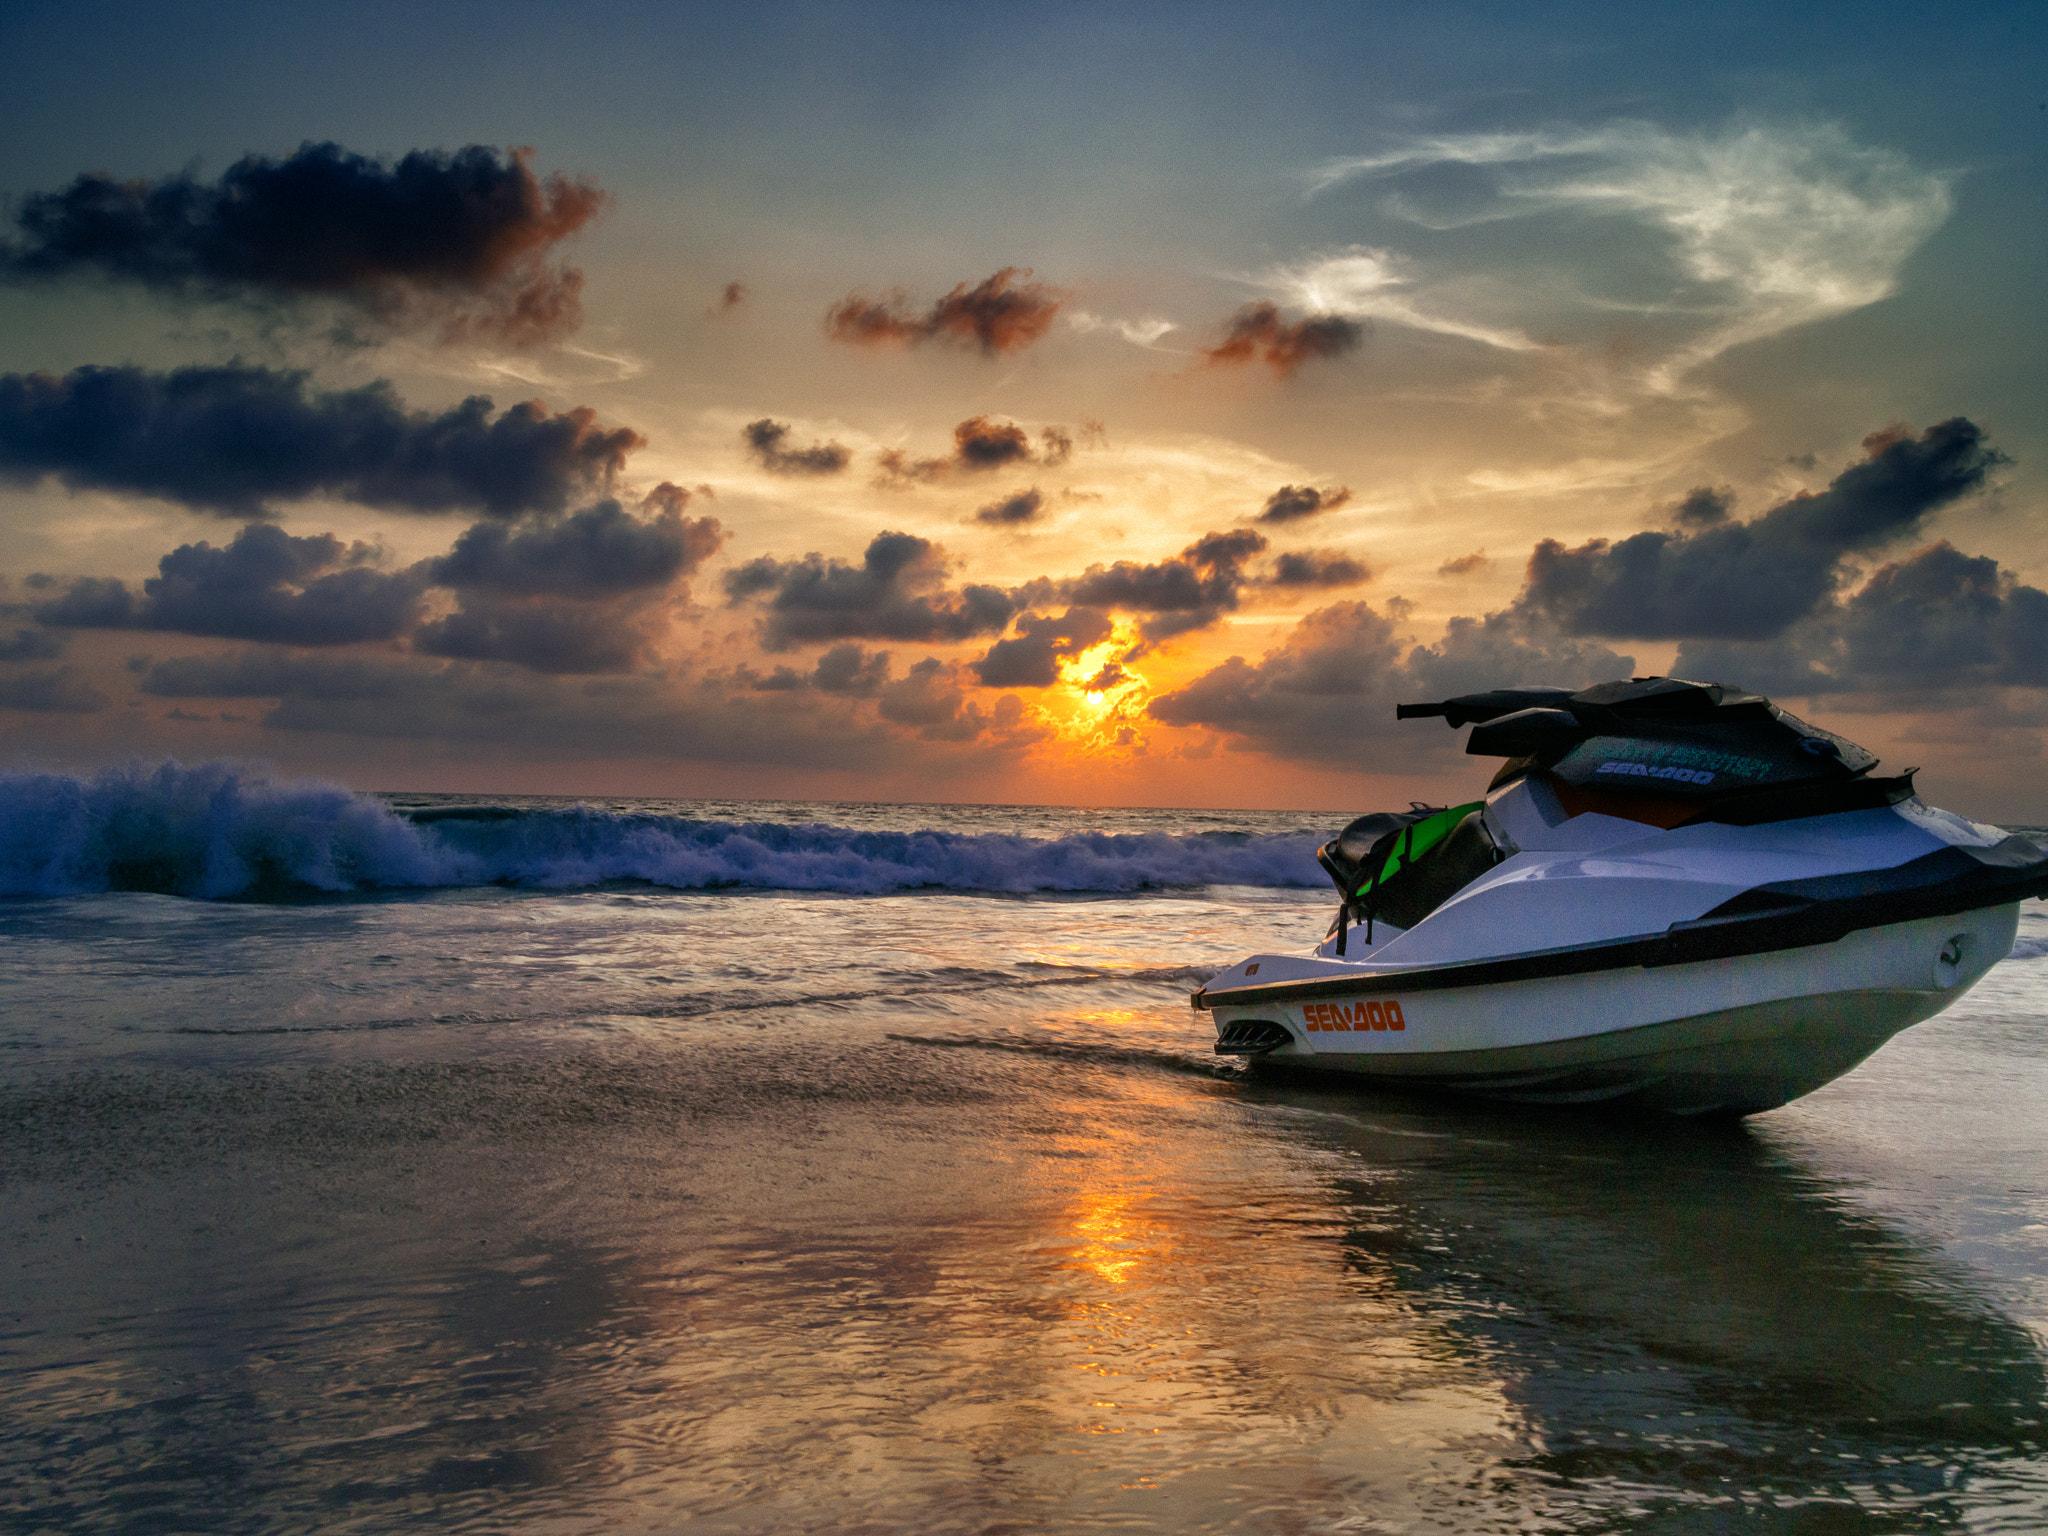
column 1673, row 895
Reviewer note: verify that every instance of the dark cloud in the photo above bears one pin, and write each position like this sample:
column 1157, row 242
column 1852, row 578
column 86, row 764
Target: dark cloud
column 30, row 644
column 850, row 670
column 1751, row 580
column 1258, row 333
column 1703, row 507
column 577, row 594
column 1193, row 589
column 1291, row 503
column 233, row 439
column 1014, row 510
column 601, row 551
column 1465, row 565
column 733, row 296
column 1938, row 623
column 1001, row 313
column 929, row 699
column 580, row 593
column 265, row 585
column 1031, row 658
column 1327, row 693
column 845, row 669
column 980, row 443
column 460, row 240
column 542, row 635
column 897, row 592
column 1317, row 568
column 764, row 439
column 56, row 692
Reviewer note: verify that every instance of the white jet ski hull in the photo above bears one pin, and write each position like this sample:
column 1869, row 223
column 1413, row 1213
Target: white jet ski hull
column 1733, row 1035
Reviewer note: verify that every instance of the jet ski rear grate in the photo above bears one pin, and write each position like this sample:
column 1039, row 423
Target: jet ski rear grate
column 1251, row 1037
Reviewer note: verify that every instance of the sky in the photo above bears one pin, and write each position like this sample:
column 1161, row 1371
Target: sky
column 1096, row 405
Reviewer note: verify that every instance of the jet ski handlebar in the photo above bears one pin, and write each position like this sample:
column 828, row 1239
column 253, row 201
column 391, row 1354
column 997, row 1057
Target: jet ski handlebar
column 1478, row 708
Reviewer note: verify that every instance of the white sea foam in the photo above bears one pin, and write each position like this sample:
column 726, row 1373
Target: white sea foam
column 221, row 830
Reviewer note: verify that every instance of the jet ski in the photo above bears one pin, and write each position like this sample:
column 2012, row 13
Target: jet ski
column 1674, row 895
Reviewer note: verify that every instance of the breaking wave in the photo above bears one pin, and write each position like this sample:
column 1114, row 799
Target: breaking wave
column 223, row 831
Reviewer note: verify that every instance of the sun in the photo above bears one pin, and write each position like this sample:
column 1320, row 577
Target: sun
column 1101, row 699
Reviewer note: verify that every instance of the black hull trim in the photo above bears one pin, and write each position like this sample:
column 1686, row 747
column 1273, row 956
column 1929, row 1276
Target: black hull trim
column 1791, row 914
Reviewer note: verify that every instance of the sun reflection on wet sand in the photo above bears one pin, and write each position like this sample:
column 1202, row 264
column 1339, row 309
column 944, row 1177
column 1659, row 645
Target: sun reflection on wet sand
column 1109, row 1237
column 872, row 1283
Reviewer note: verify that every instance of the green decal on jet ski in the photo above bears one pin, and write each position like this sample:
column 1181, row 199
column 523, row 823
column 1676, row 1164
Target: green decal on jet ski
column 1413, row 842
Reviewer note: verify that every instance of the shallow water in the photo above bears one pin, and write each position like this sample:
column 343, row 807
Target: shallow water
column 508, row 1207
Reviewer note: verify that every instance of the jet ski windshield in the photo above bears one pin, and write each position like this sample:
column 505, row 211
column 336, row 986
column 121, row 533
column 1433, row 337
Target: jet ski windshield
column 1736, row 754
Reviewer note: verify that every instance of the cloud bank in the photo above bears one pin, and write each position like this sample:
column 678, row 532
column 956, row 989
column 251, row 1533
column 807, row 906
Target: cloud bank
column 235, row 438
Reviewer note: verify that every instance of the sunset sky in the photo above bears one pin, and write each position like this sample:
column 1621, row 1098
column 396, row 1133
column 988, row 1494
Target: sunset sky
column 1073, row 404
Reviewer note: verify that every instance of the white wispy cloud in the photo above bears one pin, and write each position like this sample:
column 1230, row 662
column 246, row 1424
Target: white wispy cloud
column 1769, row 225
column 1140, row 333
column 1363, row 283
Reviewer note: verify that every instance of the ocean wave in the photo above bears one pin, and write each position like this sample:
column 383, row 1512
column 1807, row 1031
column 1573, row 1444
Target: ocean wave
column 220, row 831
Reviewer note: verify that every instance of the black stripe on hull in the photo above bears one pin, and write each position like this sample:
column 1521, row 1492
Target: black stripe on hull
column 1790, row 914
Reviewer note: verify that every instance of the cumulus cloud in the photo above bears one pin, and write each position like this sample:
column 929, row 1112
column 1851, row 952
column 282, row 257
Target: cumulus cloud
column 980, row 444
column 897, row 592
column 1258, row 333
column 929, row 699
column 1291, row 503
column 578, row 594
column 844, row 669
column 458, row 239
column 543, row 636
column 1327, row 693
column 1002, row 313
column 1014, row 510
column 31, row 644
column 602, row 551
column 233, row 439
column 1751, row 580
column 264, row 585
column 1768, row 225
column 765, row 440
column 1939, row 624
column 581, row 593
column 1189, row 591
column 1703, row 507
column 1317, row 568
column 1031, row 658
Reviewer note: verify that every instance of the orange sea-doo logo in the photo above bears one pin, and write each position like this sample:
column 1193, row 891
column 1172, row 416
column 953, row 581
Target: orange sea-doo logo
column 1353, row 1016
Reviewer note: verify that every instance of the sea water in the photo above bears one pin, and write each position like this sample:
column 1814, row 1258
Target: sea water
column 424, row 1163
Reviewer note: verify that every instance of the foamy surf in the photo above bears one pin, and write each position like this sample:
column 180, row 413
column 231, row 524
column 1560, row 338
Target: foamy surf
column 226, row 831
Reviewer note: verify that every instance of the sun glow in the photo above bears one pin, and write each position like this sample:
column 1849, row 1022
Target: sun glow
column 1101, row 700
